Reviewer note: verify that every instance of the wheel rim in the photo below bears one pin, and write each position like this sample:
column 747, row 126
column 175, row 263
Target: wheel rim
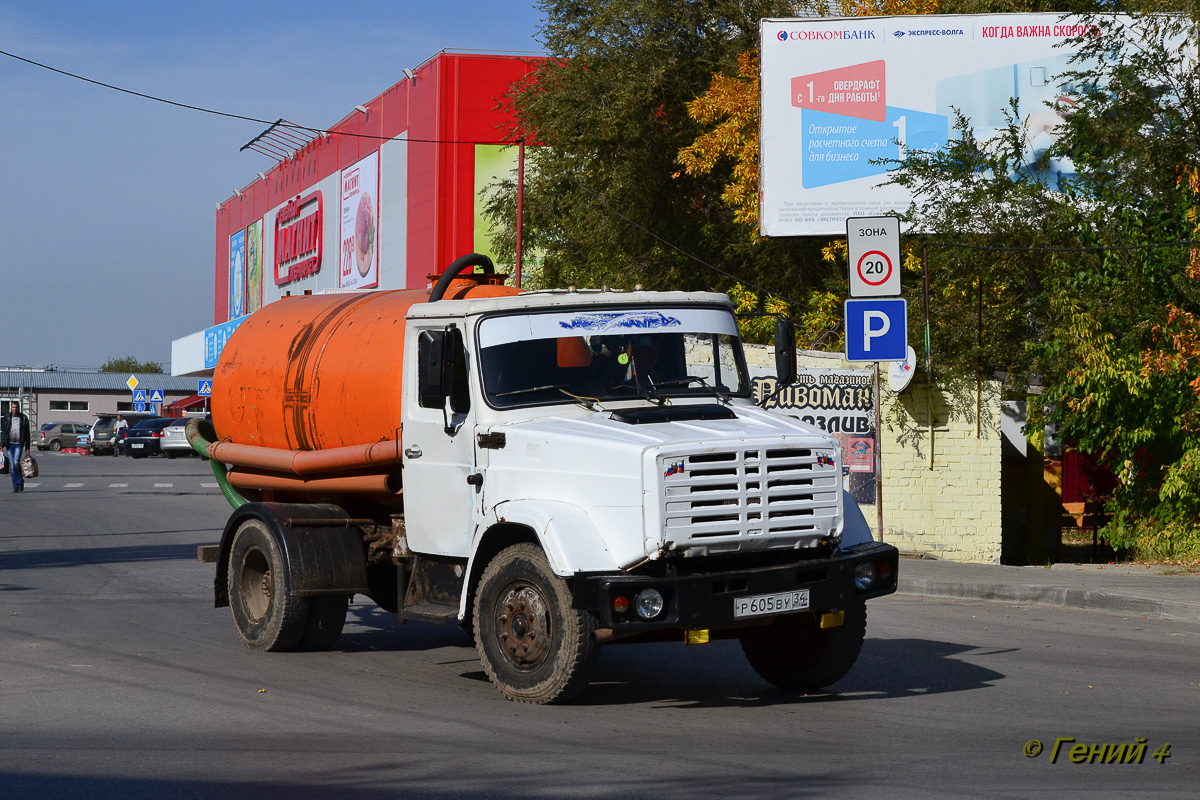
column 255, row 584
column 523, row 629
column 56, row 445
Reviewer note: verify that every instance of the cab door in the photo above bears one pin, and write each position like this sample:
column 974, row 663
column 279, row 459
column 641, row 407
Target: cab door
column 437, row 439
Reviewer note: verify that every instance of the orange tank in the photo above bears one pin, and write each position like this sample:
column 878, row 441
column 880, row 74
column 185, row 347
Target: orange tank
column 316, row 372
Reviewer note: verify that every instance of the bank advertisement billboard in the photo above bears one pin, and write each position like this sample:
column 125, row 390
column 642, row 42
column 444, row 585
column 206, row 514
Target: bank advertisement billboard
column 358, row 260
column 841, row 95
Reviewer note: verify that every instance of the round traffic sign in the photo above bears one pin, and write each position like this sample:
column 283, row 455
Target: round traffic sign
column 874, row 268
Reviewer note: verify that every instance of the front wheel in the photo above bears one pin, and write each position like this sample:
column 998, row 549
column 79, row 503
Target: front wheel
column 534, row 646
column 265, row 614
column 796, row 654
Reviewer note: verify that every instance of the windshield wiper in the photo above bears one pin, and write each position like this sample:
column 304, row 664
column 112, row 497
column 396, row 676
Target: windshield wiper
column 724, row 398
column 531, row 390
column 645, row 394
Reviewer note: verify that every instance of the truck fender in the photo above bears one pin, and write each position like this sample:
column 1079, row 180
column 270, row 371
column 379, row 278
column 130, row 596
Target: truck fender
column 564, row 531
column 321, row 558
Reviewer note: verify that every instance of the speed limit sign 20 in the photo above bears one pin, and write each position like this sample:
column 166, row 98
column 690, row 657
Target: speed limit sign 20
column 874, row 250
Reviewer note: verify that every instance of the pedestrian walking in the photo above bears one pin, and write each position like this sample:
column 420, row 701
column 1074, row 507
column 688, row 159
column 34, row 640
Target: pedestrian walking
column 118, row 426
column 14, row 438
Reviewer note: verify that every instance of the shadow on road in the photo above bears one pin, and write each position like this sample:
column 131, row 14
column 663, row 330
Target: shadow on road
column 887, row 668
column 36, row 559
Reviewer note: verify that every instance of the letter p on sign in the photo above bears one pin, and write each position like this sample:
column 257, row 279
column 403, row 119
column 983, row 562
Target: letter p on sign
column 876, row 329
column 875, row 324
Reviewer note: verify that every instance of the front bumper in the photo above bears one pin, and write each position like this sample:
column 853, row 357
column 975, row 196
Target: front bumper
column 707, row 600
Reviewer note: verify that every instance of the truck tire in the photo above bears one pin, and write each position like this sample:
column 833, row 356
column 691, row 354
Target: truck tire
column 794, row 653
column 534, row 647
column 265, row 616
column 326, row 618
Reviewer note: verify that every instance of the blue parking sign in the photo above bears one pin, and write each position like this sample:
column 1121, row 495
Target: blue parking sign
column 876, row 329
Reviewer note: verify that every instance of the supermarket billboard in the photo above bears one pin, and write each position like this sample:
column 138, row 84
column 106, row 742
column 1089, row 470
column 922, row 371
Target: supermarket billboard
column 840, row 95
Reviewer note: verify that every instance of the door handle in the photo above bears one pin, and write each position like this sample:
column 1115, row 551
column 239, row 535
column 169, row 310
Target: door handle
column 413, row 452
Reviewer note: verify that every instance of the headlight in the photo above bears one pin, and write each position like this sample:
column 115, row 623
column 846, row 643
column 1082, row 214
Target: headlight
column 649, row 603
column 864, row 576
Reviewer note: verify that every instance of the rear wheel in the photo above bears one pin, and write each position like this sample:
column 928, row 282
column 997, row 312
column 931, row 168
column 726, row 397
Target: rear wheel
column 170, row 453
column 795, row 653
column 534, row 646
column 326, row 618
column 56, row 445
column 266, row 616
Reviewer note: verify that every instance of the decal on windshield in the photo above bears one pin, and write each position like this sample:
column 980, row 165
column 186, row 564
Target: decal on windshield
column 628, row 319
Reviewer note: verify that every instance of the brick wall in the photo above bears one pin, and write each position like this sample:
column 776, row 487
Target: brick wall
column 941, row 485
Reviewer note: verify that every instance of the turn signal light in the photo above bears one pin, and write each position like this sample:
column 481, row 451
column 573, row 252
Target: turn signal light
column 696, row 637
column 620, row 604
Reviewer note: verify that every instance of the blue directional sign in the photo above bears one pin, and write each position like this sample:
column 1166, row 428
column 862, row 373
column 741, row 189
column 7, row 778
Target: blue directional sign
column 876, row 329
column 205, row 388
column 156, row 396
column 139, row 405
column 139, row 396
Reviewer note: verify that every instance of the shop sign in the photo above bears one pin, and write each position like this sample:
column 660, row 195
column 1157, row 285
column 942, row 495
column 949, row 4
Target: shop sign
column 298, row 227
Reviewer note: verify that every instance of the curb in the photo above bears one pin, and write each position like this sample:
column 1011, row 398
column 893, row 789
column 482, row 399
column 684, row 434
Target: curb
column 1053, row 596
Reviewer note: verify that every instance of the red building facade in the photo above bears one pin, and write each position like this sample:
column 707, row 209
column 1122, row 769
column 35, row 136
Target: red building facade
column 389, row 197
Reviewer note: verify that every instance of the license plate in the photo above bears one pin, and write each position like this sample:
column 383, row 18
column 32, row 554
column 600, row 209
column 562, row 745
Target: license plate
column 137, row 446
column 781, row 603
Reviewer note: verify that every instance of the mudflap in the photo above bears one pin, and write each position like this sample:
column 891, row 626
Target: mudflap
column 322, row 556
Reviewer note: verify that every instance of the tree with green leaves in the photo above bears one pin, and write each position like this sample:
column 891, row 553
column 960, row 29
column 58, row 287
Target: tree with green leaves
column 1076, row 279
column 605, row 200
column 129, row 364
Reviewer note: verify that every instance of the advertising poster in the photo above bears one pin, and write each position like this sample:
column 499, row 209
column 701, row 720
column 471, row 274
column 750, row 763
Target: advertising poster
column 493, row 163
column 237, row 274
column 358, row 263
column 839, row 96
column 838, row 401
column 254, row 273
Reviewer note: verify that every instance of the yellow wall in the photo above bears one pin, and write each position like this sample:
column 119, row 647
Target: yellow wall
column 941, row 492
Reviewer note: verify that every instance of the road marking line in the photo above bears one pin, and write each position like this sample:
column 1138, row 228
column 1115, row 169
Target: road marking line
column 117, row 485
column 35, row 485
column 163, row 485
column 72, row 485
column 202, row 486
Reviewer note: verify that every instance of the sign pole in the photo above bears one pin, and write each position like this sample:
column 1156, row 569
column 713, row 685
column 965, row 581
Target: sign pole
column 878, row 460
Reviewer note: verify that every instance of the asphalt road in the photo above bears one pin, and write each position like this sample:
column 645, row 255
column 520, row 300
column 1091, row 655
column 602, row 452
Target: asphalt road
column 119, row 679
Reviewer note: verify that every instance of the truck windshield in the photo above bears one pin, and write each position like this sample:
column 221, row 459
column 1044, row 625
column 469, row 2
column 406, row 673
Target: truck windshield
column 611, row 355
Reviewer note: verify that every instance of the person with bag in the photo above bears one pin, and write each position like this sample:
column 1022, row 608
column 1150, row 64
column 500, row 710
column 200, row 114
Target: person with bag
column 14, row 438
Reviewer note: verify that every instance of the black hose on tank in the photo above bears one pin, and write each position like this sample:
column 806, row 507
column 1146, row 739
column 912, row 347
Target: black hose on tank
column 469, row 260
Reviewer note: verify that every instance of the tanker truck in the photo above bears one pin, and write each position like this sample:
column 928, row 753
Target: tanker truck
column 553, row 471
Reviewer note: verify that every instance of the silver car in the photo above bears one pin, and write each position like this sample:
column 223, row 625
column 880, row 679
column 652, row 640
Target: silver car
column 174, row 443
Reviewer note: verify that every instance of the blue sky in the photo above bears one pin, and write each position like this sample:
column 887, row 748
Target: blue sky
column 107, row 200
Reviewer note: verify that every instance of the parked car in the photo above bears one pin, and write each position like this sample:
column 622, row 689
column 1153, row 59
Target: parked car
column 59, row 435
column 174, row 442
column 119, row 441
column 145, row 438
column 101, row 440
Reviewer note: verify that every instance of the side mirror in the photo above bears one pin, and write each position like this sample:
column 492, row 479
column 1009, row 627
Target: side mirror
column 785, row 351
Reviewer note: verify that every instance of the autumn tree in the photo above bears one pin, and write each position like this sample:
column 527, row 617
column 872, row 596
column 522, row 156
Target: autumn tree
column 1081, row 280
column 609, row 109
